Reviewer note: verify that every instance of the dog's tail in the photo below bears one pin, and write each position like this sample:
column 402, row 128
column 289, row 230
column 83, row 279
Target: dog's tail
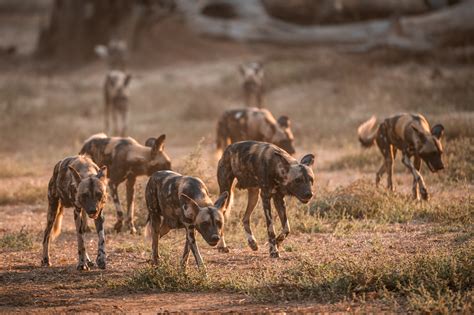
column 57, row 224
column 367, row 132
column 222, row 137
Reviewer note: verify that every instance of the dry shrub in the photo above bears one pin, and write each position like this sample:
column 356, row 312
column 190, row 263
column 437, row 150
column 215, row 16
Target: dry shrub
column 26, row 193
column 459, row 158
column 17, row 241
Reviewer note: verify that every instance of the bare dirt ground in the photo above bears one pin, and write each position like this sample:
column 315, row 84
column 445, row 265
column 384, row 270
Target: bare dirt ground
column 47, row 114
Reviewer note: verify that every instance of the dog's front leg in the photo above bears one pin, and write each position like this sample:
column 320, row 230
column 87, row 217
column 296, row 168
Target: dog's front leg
column 83, row 260
column 184, row 258
column 191, row 243
column 101, row 257
column 267, row 208
column 279, row 202
column 417, row 178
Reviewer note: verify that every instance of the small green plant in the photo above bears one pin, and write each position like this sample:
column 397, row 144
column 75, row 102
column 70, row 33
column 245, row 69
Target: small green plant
column 22, row 240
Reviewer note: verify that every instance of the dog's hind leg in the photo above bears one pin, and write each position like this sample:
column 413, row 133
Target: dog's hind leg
column 251, row 203
column 379, row 174
column 53, row 209
column 118, row 207
column 130, row 203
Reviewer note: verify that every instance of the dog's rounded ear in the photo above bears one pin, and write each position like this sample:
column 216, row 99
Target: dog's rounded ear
column 159, row 143
column 308, row 160
column 437, row 131
column 75, row 175
column 220, row 202
column 150, row 142
column 102, row 174
column 189, row 206
column 284, row 121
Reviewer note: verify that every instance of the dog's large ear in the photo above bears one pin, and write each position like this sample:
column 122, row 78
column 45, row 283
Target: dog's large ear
column 284, row 166
column 284, row 121
column 220, row 202
column 437, row 131
column 189, row 206
column 102, row 174
column 159, row 143
column 75, row 175
column 308, row 160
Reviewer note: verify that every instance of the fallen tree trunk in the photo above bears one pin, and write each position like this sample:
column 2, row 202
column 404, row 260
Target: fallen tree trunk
column 250, row 22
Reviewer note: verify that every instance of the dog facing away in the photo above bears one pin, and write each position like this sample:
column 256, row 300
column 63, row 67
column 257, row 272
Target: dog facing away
column 412, row 135
column 116, row 101
column 252, row 85
column 265, row 169
column 77, row 182
column 254, row 124
column 175, row 201
column 126, row 159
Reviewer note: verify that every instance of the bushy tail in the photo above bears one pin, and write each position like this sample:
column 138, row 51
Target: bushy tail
column 222, row 137
column 367, row 132
column 57, row 224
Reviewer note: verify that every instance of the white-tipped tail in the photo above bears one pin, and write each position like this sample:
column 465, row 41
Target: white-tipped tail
column 367, row 132
column 57, row 224
column 96, row 136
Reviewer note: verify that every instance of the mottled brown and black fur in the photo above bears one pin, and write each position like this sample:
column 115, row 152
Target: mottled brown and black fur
column 126, row 159
column 265, row 169
column 412, row 135
column 175, row 201
column 116, row 101
column 252, row 85
column 254, row 124
column 77, row 182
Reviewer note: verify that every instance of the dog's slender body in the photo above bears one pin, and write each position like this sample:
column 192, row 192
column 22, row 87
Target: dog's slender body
column 175, row 201
column 265, row 169
column 412, row 135
column 116, row 101
column 254, row 124
column 252, row 85
column 126, row 159
column 79, row 183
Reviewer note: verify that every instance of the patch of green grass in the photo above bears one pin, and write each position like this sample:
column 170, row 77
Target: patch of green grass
column 17, row 241
column 26, row 193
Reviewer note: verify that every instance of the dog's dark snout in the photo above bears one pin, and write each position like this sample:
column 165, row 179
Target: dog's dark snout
column 308, row 195
column 215, row 238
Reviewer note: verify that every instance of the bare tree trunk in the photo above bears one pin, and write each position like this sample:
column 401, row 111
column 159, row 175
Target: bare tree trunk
column 252, row 23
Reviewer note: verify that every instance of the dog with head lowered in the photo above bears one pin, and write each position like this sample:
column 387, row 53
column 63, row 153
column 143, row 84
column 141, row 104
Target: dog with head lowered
column 265, row 169
column 126, row 159
column 175, row 201
column 412, row 135
column 254, row 124
column 77, row 182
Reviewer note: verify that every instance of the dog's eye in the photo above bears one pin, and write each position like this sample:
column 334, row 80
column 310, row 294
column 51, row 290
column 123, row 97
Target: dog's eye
column 219, row 224
column 205, row 225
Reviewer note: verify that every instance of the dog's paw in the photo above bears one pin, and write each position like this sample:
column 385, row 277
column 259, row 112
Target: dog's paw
column 275, row 254
column 253, row 244
column 45, row 262
column 118, row 226
column 223, row 249
column 82, row 267
column 101, row 262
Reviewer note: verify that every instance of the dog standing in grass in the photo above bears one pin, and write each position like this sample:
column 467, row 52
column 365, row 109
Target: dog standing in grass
column 254, row 124
column 116, row 101
column 412, row 135
column 77, row 182
column 252, row 85
column 175, row 201
column 126, row 159
column 265, row 169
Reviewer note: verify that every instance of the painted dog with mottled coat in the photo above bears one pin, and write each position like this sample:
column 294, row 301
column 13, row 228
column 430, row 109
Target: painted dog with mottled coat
column 77, row 182
column 411, row 134
column 175, row 201
column 126, row 159
column 252, row 85
column 116, row 101
column 265, row 169
column 254, row 124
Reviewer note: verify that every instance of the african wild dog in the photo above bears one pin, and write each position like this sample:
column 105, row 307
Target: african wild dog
column 115, row 53
column 410, row 134
column 254, row 124
column 175, row 201
column 77, row 182
column 116, row 101
column 264, row 168
column 252, row 75
column 126, row 159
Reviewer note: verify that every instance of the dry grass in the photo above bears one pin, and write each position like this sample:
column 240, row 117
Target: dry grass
column 19, row 241
column 25, row 193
